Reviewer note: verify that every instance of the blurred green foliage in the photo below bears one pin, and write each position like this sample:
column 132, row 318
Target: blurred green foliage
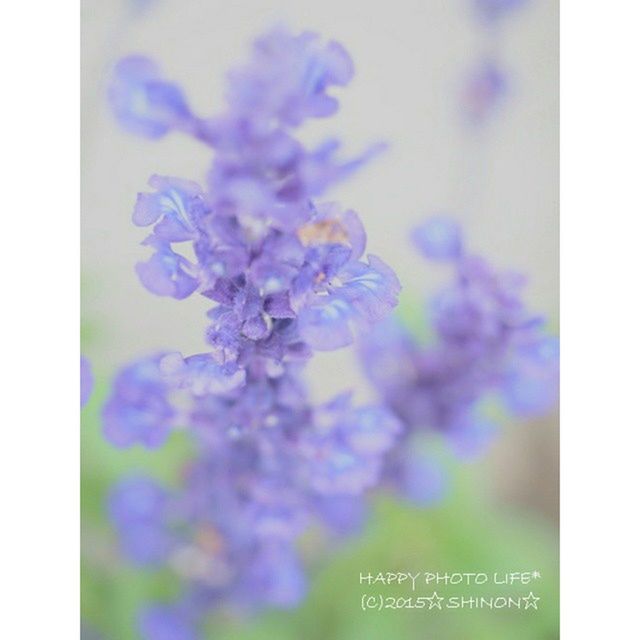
column 466, row 532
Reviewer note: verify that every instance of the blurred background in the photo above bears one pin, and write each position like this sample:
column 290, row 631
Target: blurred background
column 414, row 61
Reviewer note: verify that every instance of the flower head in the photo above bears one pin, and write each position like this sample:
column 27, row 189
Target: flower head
column 138, row 410
column 143, row 102
column 285, row 275
column 484, row 90
column 486, row 343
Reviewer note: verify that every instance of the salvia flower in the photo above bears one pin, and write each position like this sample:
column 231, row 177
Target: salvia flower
column 494, row 10
column 166, row 622
column 143, row 102
column 486, row 343
column 86, row 380
column 484, row 90
column 138, row 410
column 286, row 274
column 269, row 465
column 288, row 78
column 139, row 508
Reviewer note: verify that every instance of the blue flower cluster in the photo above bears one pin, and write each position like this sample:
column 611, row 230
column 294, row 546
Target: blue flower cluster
column 486, row 344
column 286, row 275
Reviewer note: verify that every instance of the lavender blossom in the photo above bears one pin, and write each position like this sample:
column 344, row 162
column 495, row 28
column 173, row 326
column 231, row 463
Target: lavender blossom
column 86, row 381
column 160, row 622
column 494, row 10
column 268, row 465
column 484, row 91
column 138, row 410
column 286, row 274
column 438, row 238
column 139, row 507
column 286, row 271
column 486, row 343
column 143, row 102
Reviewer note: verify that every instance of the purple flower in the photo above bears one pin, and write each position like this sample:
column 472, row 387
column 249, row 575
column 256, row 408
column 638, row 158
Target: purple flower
column 285, row 274
column 165, row 622
column 267, row 464
column 201, row 374
column 284, row 269
column 438, row 238
column 176, row 207
column 485, row 342
column 345, row 448
column 483, row 92
column 341, row 514
column 492, row 10
column 139, row 508
column 138, row 410
column 470, row 435
column 276, row 578
column 530, row 387
column 137, row 498
column 86, row 381
column 143, row 102
column 167, row 273
column 288, row 78
column 360, row 294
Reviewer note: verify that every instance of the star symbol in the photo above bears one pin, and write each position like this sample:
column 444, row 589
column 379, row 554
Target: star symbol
column 435, row 601
column 530, row 601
